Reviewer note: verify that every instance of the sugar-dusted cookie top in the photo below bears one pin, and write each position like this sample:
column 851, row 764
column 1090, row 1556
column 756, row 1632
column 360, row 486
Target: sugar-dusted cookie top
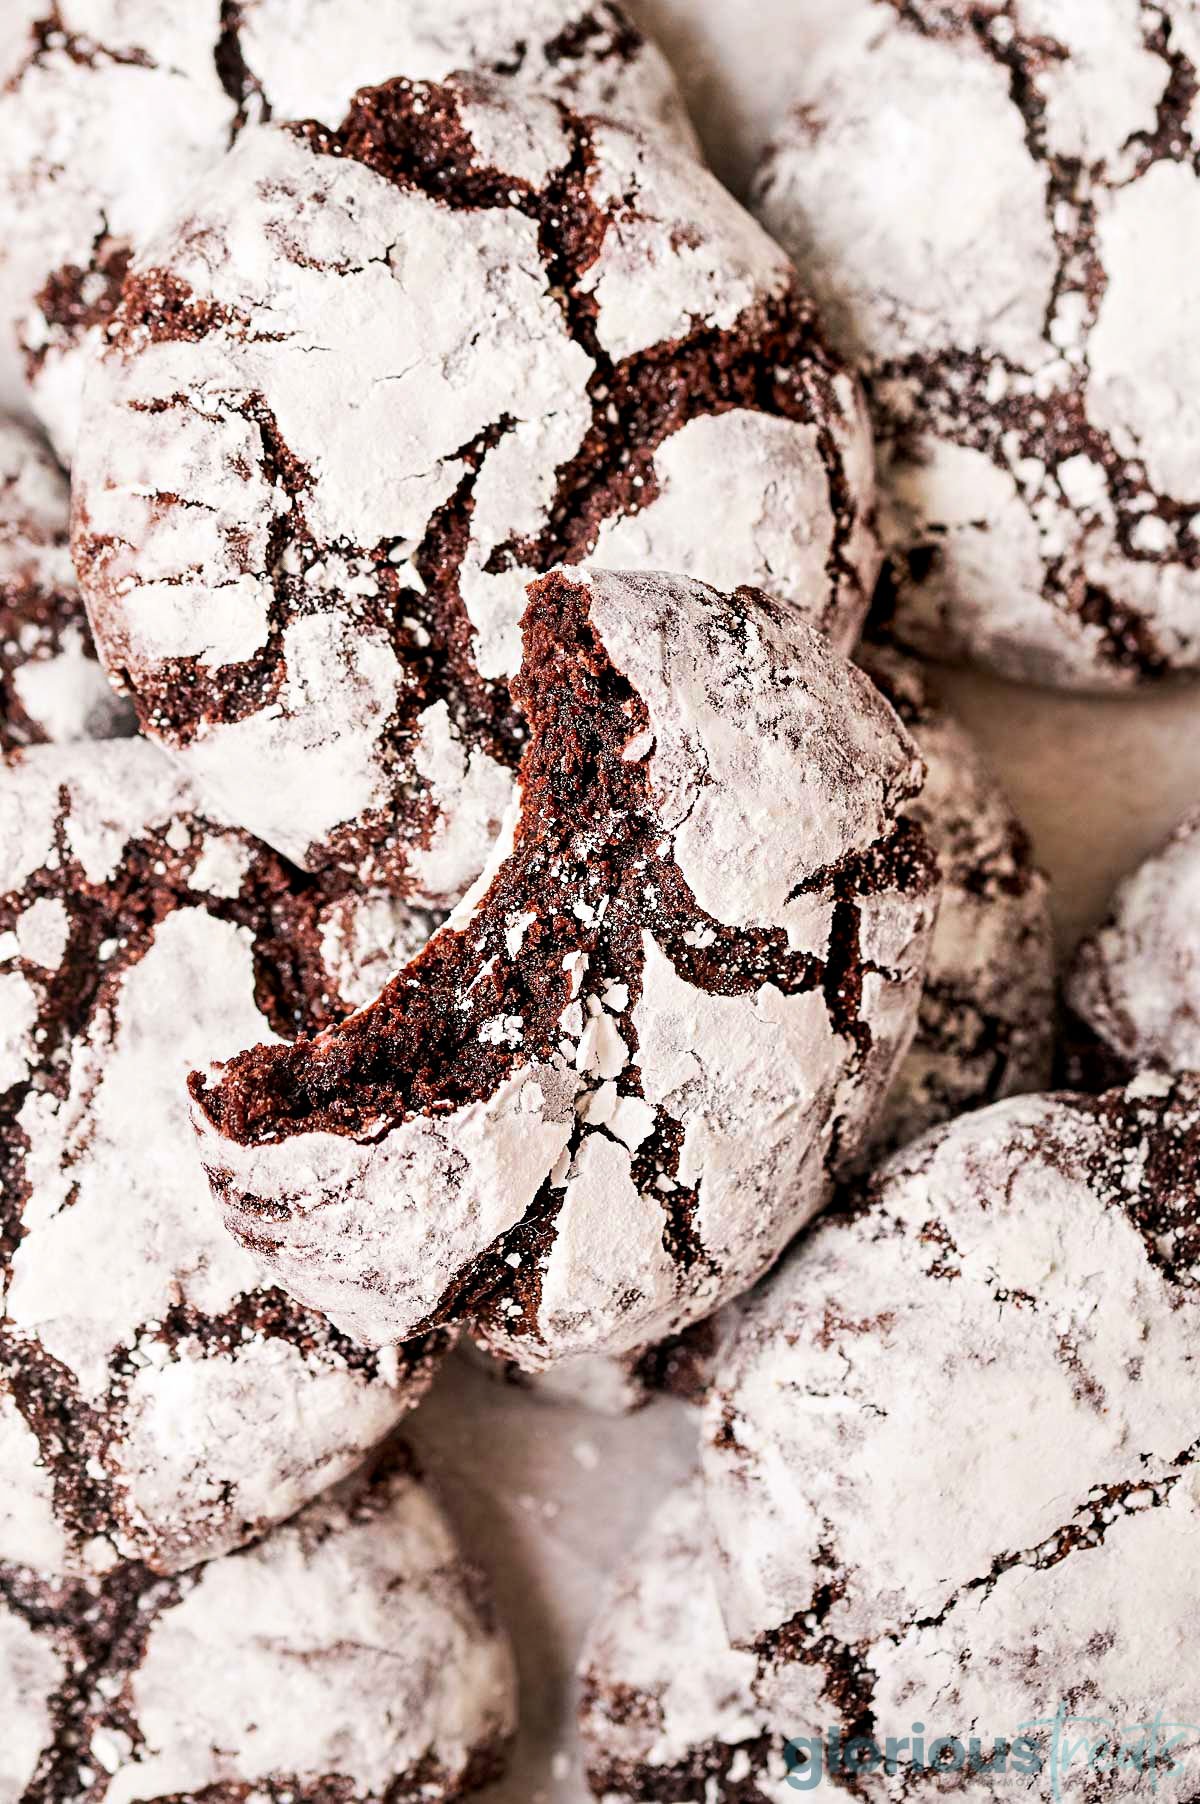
column 111, row 109
column 1135, row 982
column 949, row 1457
column 997, row 206
column 159, row 1398
column 320, row 489
column 353, row 1654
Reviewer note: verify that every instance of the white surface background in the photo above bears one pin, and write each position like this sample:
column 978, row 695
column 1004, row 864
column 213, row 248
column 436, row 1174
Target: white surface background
column 550, row 1497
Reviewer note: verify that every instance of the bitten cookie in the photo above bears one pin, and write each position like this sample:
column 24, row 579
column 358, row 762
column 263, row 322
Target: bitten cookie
column 352, row 1654
column 1134, row 988
column 306, row 528
column 158, row 1398
column 997, row 206
column 987, row 1022
column 51, row 685
column 613, row 1087
column 111, row 109
column 950, row 1457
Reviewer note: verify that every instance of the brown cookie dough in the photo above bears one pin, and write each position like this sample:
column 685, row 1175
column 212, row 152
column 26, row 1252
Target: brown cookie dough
column 159, row 1398
column 305, row 528
column 637, row 1057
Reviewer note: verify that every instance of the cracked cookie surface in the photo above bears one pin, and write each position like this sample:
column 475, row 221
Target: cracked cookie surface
column 353, row 1654
column 159, row 1399
column 986, row 1024
column 950, row 1458
column 996, row 204
column 306, row 529
column 611, row 1089
column 51, row 684
column 1134, row 987
column 111, row 109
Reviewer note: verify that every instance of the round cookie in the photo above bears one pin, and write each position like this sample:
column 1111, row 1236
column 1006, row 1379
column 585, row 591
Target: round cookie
column 949, row 1458
column 51, row 684
column 352, row 1654
column 986, row 1024
column 632, row 1064
column 996, row 206
column 111, row 109
column 987, row 1021
column 305, row 531
column 159, row 1399
column 1134, row 988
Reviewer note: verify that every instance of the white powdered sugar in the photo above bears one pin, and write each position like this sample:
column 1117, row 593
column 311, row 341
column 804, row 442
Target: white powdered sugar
column 214, row 1411
column 987, row 1020
column 666, row 1702
column 1136, row 980
column 365, row 940
column 940, row 1455
column 363, row 1617
column 306, row 528
column 431, row 1195
column 354, row 1653
column 995, row 207
column 630, row 1130
column 114, row 108
column 30, row 1673
column 51, row 684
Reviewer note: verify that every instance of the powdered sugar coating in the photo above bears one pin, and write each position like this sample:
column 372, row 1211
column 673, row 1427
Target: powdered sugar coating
column 353, row 1653
column 114, row 108
column 995, row 206
column 51, row 685
column 176, row 1405
column 30, row 1673
column 306, row 530
column 667, row 1708
column 986, row 1024
column 972, row 1291
column 987, row 1020
column 1135, row 981
column 673, row 1000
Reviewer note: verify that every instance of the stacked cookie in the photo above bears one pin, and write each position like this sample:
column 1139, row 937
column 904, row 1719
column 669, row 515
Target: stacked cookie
column 461, row 875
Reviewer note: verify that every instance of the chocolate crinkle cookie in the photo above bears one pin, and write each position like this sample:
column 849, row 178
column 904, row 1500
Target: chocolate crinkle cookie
column 949, row 1483
column 51, row 684
column 160, row 1399
column 1133, row 992
column 633, row 1063
column 987, row 1018
column 352, row 1655
column 111, row 109
column 988, row 1013
column 997, row 206
column 306, row 522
